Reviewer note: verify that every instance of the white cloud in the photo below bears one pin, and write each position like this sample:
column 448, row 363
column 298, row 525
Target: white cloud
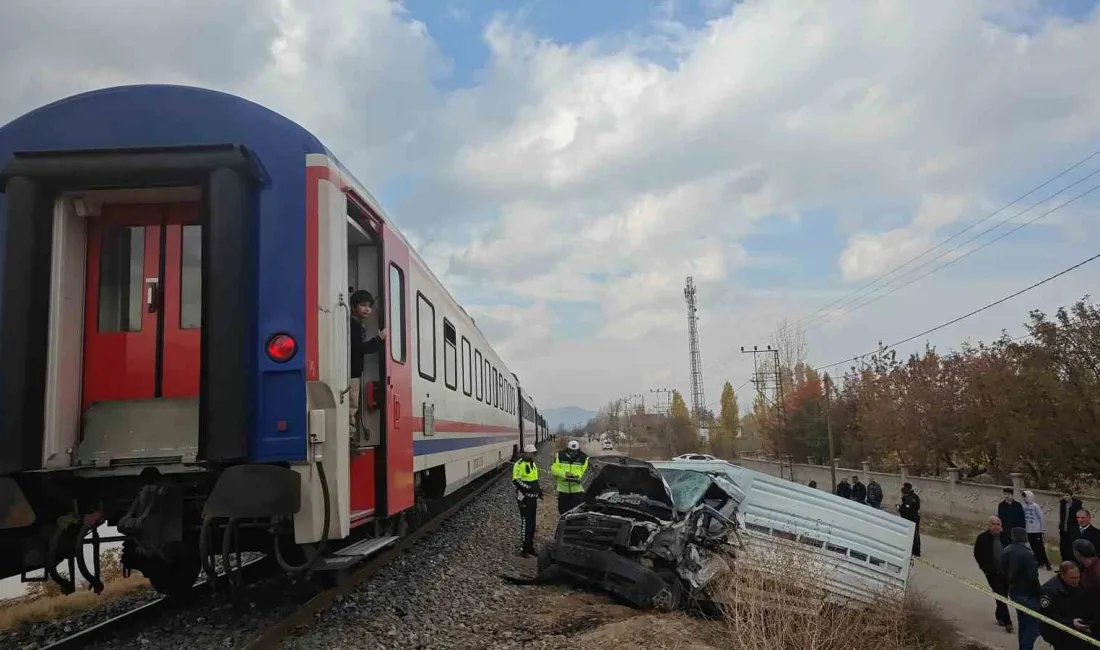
column 782, row 109
column 604, row 172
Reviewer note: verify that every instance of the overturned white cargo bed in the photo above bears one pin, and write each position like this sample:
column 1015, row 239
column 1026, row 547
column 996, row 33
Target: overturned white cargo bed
column 859, row 553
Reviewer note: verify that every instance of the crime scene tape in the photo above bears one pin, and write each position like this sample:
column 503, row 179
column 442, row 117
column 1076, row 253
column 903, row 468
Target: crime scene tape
column 1017, row 606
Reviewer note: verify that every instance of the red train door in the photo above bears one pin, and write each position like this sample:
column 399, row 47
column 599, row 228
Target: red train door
column 143, row 308
column 400, row 408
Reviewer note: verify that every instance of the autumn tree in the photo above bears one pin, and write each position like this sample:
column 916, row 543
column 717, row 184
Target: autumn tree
column 683, row 436
column 724, row 433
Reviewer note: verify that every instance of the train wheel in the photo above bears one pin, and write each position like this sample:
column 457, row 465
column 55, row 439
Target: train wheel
column 173, row 578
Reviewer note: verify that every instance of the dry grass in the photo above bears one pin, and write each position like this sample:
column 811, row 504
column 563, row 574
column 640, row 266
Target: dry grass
column 44, row 600
column 776, row 601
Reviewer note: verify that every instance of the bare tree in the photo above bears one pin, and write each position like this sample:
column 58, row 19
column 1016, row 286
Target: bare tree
column 790, row 340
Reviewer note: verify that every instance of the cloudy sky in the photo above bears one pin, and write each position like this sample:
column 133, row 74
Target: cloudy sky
column 563, row 166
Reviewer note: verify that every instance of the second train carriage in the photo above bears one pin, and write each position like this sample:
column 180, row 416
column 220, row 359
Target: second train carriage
column 174, row 360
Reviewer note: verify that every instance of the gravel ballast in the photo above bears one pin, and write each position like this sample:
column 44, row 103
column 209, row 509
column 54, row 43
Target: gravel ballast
column 447, row 592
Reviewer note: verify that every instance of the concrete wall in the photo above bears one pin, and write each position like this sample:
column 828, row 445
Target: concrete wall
column 969, row 501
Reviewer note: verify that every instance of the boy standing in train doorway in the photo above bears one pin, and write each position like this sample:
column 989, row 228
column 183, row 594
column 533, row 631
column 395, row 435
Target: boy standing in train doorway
column 362, row 303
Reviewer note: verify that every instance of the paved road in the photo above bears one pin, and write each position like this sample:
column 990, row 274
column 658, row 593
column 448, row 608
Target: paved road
column 970, row 610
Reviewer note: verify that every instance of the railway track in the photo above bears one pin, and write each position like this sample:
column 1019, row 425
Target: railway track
column 272, row 637
column 261, row 568
column 253, row 570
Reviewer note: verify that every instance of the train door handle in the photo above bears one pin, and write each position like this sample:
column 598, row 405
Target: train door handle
column 396, row 409
column 152, row 286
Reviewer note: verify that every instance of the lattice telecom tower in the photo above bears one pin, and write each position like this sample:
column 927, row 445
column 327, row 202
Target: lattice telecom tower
column 698, row 401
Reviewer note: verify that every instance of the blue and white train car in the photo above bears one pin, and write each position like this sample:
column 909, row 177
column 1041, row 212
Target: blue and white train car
column 175, row 272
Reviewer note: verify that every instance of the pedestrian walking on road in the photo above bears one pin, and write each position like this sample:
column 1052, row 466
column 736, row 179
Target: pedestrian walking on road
column 909, row 508
column 568, row 469
column 525, row 478
column 859, row 490
column 987, row 553
column 1060, row 599
column 874, row 494
column 1036, row 526
column 1011, row 514
column 1068, row 506
column 1020, row 569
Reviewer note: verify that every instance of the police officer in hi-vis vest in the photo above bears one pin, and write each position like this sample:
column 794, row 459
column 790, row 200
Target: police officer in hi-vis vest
column 568, row 470
column 525, row 478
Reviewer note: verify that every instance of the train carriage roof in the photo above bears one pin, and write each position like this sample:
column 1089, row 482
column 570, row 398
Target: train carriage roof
column 143, row 116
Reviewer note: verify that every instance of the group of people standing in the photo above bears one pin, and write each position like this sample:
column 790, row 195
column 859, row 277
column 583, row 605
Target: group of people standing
column 1011, row 550
column 568, row 469
column 871, row 494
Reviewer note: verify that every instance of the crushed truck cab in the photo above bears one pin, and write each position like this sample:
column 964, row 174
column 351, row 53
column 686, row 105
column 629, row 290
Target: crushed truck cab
column 657, row 538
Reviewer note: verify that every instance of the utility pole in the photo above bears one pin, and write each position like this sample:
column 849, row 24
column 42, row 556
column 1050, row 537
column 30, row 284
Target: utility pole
column 698, row 399
column 662, row 407
column 763, row 379
column 829, row 429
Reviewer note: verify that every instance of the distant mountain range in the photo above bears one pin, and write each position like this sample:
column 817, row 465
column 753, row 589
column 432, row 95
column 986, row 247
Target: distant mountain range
column 567, row 415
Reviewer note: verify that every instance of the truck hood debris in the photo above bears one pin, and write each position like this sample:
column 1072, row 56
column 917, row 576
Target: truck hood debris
column 658, row 538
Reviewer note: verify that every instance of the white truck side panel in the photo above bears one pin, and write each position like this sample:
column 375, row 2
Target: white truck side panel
column 866, row 552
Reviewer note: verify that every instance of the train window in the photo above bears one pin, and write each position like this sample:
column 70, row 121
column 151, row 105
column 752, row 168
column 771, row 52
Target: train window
column 396, row 318
column 478, row 383
column 496, row 395
column 122, row 279
column 500, row 390
column 488, row 386
column 467, row 369
column 425, row 337
column 450, row 355
column 191, row 278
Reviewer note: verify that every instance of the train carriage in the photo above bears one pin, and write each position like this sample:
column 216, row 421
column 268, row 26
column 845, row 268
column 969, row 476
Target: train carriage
column 176, row 273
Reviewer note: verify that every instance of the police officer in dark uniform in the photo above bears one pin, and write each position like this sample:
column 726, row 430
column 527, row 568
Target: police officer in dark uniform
column 909, row 508
column 1060, row 599
column 525, row 478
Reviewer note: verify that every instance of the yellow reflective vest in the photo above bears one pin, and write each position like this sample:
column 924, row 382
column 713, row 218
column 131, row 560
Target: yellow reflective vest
column 525, row 478
column 568, row 474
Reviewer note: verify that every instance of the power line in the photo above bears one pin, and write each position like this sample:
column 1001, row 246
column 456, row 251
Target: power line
column 965, row 316
column 961, row 232
column 880, row 296
column 809, row 318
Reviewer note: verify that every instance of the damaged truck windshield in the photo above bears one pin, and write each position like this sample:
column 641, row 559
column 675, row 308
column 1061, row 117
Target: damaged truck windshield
column 654, row 537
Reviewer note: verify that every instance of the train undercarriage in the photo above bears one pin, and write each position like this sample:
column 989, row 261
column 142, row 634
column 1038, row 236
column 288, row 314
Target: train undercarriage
column 179, row 526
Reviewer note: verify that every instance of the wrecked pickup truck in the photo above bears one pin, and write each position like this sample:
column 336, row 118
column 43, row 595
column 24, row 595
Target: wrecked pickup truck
column 657, row 538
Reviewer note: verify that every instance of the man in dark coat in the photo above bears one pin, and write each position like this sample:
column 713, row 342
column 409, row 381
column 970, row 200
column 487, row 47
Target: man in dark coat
column 987, row 553
column 1085, row 529
column 1060, row 599
column 1022, row 572
column 844, row 490
column 1068, row 506
column 1011, row 513
column 909, row 508
column 874, row 494
column 859, row 490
